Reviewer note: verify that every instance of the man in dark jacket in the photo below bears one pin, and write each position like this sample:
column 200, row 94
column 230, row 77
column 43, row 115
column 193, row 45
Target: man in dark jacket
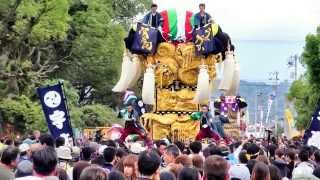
column 202, row 18
column 281, row 163
column 153, row 18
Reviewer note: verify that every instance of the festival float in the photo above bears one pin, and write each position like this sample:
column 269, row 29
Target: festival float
column 178, row 67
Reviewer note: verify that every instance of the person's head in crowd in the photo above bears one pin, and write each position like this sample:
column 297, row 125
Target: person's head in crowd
column 119, row 165
column 189, row 173
column 215, row 150
column 161, row 146
column 253, row 150
column 280, row 154
column 86, row 153
column 180, row 145
column 75, row 152
column 312, row 150
column 171, row 153
column 260, row 172
column 154, row 8
column 36, row 134
column 25, row 151
column 93, row 173
column 202, row 7
column 46, row 140
column 23, row 169
column 45, row 161
column 216, row 168
column 317, row 156
column 250, row 165
column 303, row 154
column 60, row 141
column 17, row 142
column 99, row 160
column 149, row 164
column 9, row 157
column 291, row 155
column 167, row 175
column 116, row 175
column 109, row 143
column 206, row 152
column 175, row 168
column 262, row 158
column 109, row 154
column 204, row 108
column 130, row 166
column 8, row 142
column 64, row 153
column 78, row 168
column 275, row 173
column 184, row 160
column 62, row 174
column 197, row 162
column 195, row 147
column 316, row 172
column 243, row 157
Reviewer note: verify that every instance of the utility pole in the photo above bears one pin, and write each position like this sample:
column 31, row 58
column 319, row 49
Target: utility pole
column 293, row 63
column 274, row 76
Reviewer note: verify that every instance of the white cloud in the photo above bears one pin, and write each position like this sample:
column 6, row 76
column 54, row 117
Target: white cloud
column 258, row 19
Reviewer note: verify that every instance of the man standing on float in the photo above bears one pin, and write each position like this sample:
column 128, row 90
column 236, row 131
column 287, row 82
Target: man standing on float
column 202, row 18
column 132, row 126
column 153, row 18
column 206, row 130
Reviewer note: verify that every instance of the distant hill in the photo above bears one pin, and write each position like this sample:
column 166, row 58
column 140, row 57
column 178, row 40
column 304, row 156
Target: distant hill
column 257, row 95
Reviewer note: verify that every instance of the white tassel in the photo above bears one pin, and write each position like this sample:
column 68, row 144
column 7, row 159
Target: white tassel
column 228, row 70
column 203, row 86
column 234, row 89
column 126, row 71
column 148, row 87
column 137, row 70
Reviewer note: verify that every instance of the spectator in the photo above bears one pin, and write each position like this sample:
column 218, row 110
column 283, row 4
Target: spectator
column 93, row 173
column 215, row 167
column 275, row 173
column 291, row 157
column 46, row 140
column 171, row 153
column 148, row 165
column 130, row 169
column 250, row 165
column 175, row 169
column 262, row 158
column 316, row 172
column 260, row 172
column 188, row 173
column 36, row 135
column 317, row 157
column 304, row 169
column 25, row 152
column 167, row 175
column 240, row 170
column 109, row 155
column 116, row 175
column 64, row 157
column 8, row 162
column 280, row 163
column 86, row 154
column 162, row 145
column 197, row 162
column 24, row 168
column 195, row 148
column 60, row 141
column 78, row 168
column 184, row 160
column 44, row 164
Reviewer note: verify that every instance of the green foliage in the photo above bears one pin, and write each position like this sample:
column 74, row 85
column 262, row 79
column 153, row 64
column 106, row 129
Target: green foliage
column 305, row 92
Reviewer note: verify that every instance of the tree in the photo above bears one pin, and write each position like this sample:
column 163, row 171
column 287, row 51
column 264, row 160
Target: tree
column 305, row 92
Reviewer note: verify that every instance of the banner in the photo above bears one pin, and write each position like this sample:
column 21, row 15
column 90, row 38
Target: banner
column 145, row 40
column 54, row 107
column 312, row 134
column 289, row 129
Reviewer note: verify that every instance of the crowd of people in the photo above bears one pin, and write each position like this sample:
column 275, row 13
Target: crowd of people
column 43, row 157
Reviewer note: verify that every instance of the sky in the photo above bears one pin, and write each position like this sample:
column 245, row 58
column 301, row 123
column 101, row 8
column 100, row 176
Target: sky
column 265, row 32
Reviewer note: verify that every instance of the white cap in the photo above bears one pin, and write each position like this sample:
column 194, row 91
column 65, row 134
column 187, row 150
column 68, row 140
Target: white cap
column 137, row 148
column 24, row 147
column 64, row 152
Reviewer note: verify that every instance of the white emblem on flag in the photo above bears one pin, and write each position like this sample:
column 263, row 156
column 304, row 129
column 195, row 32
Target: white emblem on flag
column 57, row 118
column 52, row 99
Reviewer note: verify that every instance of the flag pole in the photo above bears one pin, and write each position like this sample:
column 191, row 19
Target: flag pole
column 67, row 107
